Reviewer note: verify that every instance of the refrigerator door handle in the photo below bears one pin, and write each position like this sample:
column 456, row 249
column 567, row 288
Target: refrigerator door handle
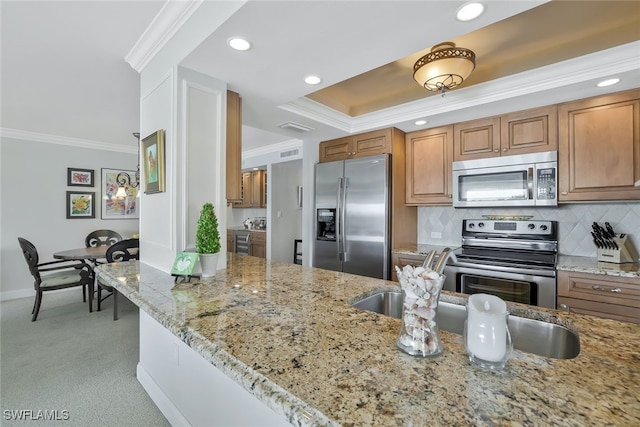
column 339, row 221
column 343, row 212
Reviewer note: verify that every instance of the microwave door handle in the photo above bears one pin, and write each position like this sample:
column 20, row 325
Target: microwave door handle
column 530, row 183
column 338, row 220
column 345, row 254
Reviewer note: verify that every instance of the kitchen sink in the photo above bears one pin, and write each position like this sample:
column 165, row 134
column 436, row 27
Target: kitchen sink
column 528, row 335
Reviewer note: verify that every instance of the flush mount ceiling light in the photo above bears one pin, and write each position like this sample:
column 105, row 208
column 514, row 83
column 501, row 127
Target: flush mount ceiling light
column 469, row 11
column 608, row 82
column 239, row 43
column 420, row 122
column 312, row 80
column 444, row 68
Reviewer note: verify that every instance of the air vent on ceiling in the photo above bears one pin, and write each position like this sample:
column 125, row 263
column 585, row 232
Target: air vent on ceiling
column 295, row 127
column 289, row 153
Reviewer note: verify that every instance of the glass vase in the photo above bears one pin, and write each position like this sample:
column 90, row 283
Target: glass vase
column 419, row 334
column 486, row 332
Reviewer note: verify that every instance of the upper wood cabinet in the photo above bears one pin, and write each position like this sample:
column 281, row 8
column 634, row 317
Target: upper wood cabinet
column 522, row 132
column 599, row 148
column 350, row 147
column 253, row 190
column 429, row 156
column 234, row 147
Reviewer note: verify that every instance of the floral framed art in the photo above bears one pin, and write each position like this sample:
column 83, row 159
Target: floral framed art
column 153, row 161
column 114, row 206
column 79, row 177
column 81, row 204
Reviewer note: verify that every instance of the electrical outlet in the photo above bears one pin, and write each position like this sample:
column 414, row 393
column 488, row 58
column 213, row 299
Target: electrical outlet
column 436, row 235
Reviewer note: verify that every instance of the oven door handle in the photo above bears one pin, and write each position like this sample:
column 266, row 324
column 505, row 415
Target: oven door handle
column 499, row 271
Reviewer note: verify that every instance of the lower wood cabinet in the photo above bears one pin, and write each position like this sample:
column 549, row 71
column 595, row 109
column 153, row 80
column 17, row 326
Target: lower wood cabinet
column 600, row 295
column 404, row 259
column 230, row 246
column 258, row 245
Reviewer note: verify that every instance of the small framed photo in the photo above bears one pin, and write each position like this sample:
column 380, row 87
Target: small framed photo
column 79, row 177
column 153, row 161
column 184, row 264
column 81, row 204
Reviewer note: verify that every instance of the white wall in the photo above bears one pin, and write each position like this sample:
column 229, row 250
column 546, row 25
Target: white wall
column 33, row 203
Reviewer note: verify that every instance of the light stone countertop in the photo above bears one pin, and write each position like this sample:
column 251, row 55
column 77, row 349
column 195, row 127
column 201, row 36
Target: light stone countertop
column 593, row 266
column 289, row 336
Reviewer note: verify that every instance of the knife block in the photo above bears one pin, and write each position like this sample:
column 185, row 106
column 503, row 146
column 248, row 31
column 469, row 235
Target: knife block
column 626, row 252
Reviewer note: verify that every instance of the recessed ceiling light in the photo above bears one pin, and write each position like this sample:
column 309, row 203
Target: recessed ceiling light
column 469, row 11
column 420, row 122
column 238, row 43
column 608, row 82
column 312, row 80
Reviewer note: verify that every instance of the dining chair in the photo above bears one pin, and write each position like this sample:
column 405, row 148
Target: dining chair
column 59, row 274
column 102, row 238
column 124, row 250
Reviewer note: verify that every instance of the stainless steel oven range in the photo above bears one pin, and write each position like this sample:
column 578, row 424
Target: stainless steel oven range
column 512, row 259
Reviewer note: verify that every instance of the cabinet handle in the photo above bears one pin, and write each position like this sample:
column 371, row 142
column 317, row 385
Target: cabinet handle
column 496, row 151
column 564, row 193
column 565, row 307
column 600, row 288
column 504, row 149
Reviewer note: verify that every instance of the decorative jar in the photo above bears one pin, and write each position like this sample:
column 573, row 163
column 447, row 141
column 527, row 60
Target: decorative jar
column 419, row 334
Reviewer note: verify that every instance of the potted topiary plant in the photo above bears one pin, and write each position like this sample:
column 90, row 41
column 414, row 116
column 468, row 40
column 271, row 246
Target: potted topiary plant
column 208, row 240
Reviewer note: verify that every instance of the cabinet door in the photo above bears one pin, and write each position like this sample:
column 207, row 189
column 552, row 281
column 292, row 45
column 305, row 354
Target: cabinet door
column 599, row 148
column 477, row 139
column 336, row 149
column 428, row 175
column 234, row 147
column 401, row 260
column 256, row 189
column 230, row 246
column 530, row 131
column 371, row 143
column 246, row 190
column 258, row 246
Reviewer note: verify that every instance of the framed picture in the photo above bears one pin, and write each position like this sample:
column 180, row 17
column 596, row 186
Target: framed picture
column 81, row 204
column 153, row 161
column 184, row 264
column 114, row 207
column 79, row 177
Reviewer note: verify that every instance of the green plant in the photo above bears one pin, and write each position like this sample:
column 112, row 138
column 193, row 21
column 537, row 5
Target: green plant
column 207, row 236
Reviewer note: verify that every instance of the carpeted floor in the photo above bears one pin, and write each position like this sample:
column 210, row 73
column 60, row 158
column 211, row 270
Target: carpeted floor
column 76, row 367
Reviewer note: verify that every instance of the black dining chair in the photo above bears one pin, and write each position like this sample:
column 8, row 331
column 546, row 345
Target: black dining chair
column 124, row 250
column 102, row 238
column 59, row 274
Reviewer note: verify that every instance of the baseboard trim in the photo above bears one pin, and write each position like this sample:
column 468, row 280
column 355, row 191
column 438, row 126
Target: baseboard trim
column 20, row 293
column 168, row 409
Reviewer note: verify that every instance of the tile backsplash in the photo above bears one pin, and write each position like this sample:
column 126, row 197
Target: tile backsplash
column 574, row 223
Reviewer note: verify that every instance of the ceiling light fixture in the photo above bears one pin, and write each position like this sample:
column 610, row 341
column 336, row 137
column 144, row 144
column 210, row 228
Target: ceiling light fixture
column 420, row 122
column 469, row 11
column 608, row 82
column 444, row 68
column 239, row 43
column 312, row 80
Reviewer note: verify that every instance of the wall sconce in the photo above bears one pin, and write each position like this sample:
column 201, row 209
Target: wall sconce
column 124, row 179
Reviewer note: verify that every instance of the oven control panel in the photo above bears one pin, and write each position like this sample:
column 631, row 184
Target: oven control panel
column 508, row 227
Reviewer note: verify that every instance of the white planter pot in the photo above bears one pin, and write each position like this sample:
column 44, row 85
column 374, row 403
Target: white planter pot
column 209, row 264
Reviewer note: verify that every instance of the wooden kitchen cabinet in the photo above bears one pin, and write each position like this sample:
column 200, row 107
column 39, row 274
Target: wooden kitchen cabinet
column 599, row 148
column 234, row 147
column 253, row 190
column 429, row 156
column 230, row 245
column 258, row 245
column 350, row 147
column 521, row 132
column 600, row 295
column 404, row 259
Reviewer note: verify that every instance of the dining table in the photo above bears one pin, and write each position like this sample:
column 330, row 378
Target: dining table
column 91, row 254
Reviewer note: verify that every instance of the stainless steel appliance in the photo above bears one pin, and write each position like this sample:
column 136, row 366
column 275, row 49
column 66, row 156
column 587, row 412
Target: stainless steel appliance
column 242, row 241
column 521, row 180
column 352, row 216
column 512, row 259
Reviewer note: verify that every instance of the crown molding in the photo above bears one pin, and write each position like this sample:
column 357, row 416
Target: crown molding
column 273, row 148
column 64, row 140
column 165, row 25
column 594, row 66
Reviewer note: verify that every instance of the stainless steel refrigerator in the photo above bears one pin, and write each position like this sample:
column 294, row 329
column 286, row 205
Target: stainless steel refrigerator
column 352, row 216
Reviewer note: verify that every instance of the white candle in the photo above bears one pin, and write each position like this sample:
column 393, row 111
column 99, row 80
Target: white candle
column 487, row 327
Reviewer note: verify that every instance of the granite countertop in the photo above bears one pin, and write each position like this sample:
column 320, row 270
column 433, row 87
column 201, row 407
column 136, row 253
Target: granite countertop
column 593, row 266
column 288, row 335
column 242, row 227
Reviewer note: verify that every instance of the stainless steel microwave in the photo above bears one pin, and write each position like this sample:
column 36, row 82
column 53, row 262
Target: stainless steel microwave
column 521, row 180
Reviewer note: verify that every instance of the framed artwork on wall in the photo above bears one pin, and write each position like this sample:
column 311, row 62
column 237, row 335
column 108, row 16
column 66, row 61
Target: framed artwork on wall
column 114, row 207
column 153, row 163
column 81, row 204
column 79, row 177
